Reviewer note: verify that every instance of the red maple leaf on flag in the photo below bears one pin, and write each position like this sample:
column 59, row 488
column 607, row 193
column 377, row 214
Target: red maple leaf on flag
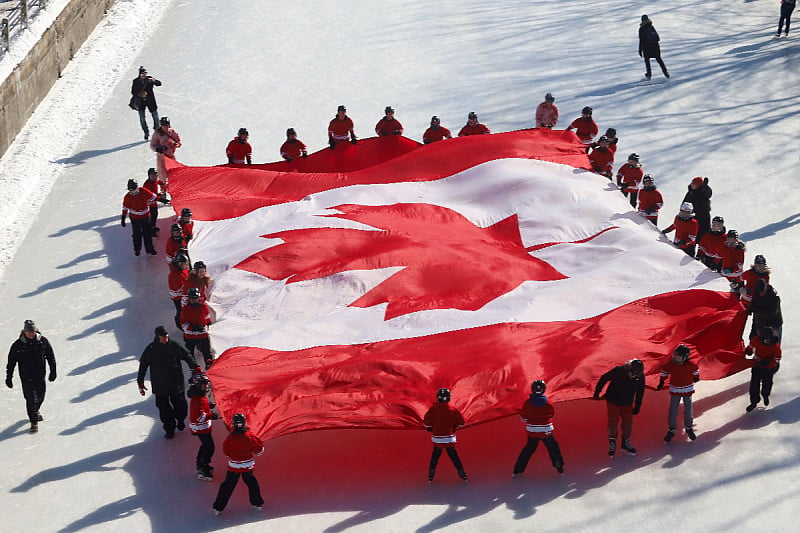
column 449, row 263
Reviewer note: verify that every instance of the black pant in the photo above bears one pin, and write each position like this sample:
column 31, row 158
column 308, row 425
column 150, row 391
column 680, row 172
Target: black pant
column 33, row 391
column 703, row 223
column 204, row 345
column 657, row 57
column 178, row 308
column 142, row 232
column 525, row 455
column 172, row 409
column 786, row 14
column 206, row 450
column 154, row 218
column 451, row 453
column 226, row 489
column 632, row 196
column 761, row 382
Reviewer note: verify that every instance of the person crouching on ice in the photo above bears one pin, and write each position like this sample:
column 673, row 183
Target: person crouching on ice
column 200, row 417
column 537, row 413
column 241, row 447
column 682, row 374
column 442, row 420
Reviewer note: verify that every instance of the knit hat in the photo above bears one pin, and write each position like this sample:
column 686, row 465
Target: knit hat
column 30, row 325
column 161, row 331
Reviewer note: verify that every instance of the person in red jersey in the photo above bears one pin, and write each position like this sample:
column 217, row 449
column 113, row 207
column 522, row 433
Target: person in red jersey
column 293, row 147
column 137, row 204
column 584, row 126
column 388, row 125
column 241, row 447
column 340, row 128
column 195, row 319
column 158, row 187
column 685, row 227
column 765, row 348
column 733, row 259
column 442, row 420
column 602, row 158
column 758, row 270
column 682, row 374
column 198, row 279
column 187, row 225
column 239, row 150
column 547, row 112
column 436, row 132
column 200, row 417
column 473, row 127
column 537, row 414
column 623, row 398
column 709, row 249
column 613, row 140
column 176, row 243
column 629, row 178
column 650, row 200
column 178, row 272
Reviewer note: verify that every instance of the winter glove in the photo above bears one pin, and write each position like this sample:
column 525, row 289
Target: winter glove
column 596, row 396
column 695, row 379
column 383, row 133
column 305, row 154
column 640, row 53
column 396, row 132
column 660, row 385
column 142, row 388
column 636, row 410
column 748, row 351
column 122, row 221
column 353, row 139
column 664, row 232
column 777, row 367
column 332, row 143
column 9, row 383
column 429, row 430
column 52, row 376
column 159, row 149
column 196, row 328
column 287, row 158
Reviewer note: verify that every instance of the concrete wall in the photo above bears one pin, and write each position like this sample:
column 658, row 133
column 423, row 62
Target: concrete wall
column 32, row 79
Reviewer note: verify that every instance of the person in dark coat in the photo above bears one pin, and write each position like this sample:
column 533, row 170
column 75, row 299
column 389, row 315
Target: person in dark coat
column 699, row 195
column 649, row 47
column 31, row 351
column 787, row 6
column 142, row 88
column 623, row 400
column 163, row 357
column 766, row 309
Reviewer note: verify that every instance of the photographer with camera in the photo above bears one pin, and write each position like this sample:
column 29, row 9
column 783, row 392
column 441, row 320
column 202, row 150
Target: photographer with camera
column 142, row 97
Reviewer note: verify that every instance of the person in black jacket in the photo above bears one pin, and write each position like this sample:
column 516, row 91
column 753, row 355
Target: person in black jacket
column 699, row 195
column 142, row 88
column 30, row 351
column 623, row 400
column 649, row 47
column 766, row 309
column 163, row 357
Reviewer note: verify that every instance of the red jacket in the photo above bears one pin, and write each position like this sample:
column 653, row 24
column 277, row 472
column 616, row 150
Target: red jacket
column 339, row 130
column 546, row 115
column 630, row 176
column 241, row 449
column 443, row 419
column 167, row 141
column 711, row 245
column 199, row 415
column 650, row 201
column 187, row 228
column 584, row 129
column 154, row 186
column 767, row 355
column 293, row 149
column 195, row 317
column 193, row 282
column 685, row 232
column 750, row 278
column 239, row 152
column 537, row 413
column 602, row 160
column 175, row 280
column 386, row 127
column 681, row 377
column 733, row 261
column 138, row 205
column 432, row 135
column 477, row 129
column 173, row 247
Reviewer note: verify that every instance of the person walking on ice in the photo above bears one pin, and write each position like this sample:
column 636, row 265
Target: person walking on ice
column 442, row 420
column 682, row 374
column 649, row 47
column 537, row 414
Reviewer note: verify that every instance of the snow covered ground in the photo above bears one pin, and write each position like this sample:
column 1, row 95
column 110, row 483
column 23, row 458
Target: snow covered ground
column 100, row 462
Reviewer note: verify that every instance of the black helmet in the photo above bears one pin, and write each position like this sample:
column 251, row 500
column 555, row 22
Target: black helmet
column 718, row 219
column 682, row 352
column 243, row 131
column 186, row 212
column 443, row 395
column 733, row 234
column 239, row 422
column 199, row 380
column 611, row 132
column 133, row 185
column 193, row 293
column 435, row 120
column 760, row 260
column 199, row 265
column 538, row 386
column 586, row 110
column 602, row 139
column 180, row 258
column 389, row 109
column 341, row 108
column 549, row 98
column 290, row 131
column 151, row 171
column 633, row 157
column 648, row 180
column 164, row 121
column 176, row 227
column 472, row 115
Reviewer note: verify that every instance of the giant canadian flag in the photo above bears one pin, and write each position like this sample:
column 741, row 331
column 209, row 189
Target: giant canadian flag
column 350, row 286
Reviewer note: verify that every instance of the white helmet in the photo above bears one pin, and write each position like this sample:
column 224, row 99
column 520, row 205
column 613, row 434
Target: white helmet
column 687, row 206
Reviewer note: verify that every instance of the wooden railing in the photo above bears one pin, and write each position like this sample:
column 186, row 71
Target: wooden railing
column 16, row 14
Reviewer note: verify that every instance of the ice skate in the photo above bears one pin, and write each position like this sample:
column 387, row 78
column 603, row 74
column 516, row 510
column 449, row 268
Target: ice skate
column 669, row 435
column 691, row 434
column 626, row 445
column 612, row 448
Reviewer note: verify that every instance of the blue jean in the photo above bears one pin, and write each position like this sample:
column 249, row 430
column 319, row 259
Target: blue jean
column 143, row 121
column 672, row 417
